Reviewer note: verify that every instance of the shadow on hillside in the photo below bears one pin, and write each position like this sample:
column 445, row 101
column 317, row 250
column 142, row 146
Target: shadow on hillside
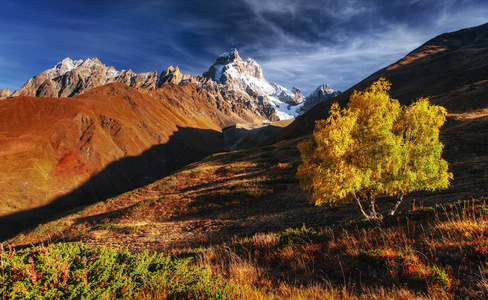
column 185, row 146
column 240, row 138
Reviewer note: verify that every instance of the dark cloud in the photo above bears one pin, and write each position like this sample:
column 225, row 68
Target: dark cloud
column 300, row 43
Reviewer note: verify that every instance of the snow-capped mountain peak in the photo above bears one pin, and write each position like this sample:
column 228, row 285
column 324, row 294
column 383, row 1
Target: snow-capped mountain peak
column 323, row 89
column 66, row 65
column 228, row 57
column 246, row 76
column 321, row 94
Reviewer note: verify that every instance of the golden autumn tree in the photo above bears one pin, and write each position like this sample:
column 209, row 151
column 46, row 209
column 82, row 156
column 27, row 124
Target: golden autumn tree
column 374, row 147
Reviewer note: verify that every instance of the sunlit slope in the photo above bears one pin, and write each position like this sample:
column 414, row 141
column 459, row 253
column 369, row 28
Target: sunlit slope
column 50, row 146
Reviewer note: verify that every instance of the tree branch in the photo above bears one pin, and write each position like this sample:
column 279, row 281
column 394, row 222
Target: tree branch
column 373, row 207
column 360, row 206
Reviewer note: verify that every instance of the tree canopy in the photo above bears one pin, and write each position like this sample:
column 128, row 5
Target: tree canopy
column 374, row 147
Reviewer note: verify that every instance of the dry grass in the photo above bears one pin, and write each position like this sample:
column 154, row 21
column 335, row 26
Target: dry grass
column 398, row 258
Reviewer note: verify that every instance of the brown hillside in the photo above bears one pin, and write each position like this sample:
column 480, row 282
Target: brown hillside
column 113, row 138
column 451, row 69
column 246, row 192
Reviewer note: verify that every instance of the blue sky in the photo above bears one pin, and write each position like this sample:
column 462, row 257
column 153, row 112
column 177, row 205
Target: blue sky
column 302, row 43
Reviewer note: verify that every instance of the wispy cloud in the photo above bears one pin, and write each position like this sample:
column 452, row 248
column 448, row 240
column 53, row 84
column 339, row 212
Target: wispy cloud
column 341, row 65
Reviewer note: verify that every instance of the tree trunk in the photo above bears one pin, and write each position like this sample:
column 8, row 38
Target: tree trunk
column 374, row 211
column 397, row 204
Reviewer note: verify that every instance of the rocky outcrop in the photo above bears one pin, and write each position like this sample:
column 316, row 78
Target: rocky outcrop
column 294, row 98
column 228, row 64
column 73, row 77
column 4, row 94
column 321, row 94
column 174, row 76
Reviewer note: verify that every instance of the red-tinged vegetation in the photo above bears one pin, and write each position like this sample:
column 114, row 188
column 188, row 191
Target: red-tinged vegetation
column 70, row 165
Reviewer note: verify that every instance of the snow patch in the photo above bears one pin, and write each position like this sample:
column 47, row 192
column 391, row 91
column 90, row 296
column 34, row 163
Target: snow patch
column 285, row 111
column 218, row 72
column 230, row 53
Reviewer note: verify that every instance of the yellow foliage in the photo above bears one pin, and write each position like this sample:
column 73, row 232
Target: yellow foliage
column 374, row 146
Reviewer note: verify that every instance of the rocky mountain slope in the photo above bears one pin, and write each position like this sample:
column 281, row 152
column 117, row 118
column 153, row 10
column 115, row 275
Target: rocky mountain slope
column 451, row 69
column 5, row 93
column 245, row 78
column 174, row 76
column 70, row 78
column 321, row 94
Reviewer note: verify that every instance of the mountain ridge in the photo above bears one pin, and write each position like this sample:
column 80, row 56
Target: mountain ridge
column 239, row 80
column 73, row 77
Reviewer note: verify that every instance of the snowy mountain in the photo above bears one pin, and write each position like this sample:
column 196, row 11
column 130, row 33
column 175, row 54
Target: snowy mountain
column 246, row 77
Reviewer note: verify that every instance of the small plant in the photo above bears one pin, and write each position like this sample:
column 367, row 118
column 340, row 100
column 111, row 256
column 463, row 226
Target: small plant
column 407, row 267
column 298, row 235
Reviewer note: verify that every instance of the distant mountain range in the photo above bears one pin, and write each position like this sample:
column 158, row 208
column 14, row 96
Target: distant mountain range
column 229, row 77
column 73, row 77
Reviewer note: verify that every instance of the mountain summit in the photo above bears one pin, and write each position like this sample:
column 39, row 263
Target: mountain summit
column 229, row 65
column 246, row 78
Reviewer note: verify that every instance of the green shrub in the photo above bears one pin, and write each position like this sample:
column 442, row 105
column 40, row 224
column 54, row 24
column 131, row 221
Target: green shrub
column 74, row 271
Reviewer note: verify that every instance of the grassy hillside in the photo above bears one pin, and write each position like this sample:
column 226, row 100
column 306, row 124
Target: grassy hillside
column 425, row 253
column 245, row 192
column 104, row 142
column 237, row 225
